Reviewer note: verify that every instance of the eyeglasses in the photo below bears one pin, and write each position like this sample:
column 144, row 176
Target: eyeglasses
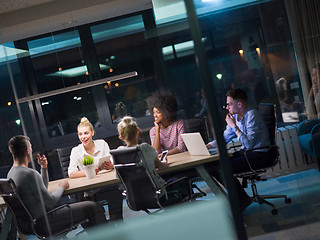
column 229, row 104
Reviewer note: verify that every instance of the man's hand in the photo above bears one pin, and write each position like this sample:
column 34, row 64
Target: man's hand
column 64, row 184
column 231, row 121
column 209, row 146
column 42, row 160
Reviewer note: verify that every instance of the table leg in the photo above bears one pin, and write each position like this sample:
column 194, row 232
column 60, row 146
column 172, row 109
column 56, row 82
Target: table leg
column 211, row 182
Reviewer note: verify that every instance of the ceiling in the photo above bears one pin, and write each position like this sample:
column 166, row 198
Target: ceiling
column 13, row 5
column 21, row 19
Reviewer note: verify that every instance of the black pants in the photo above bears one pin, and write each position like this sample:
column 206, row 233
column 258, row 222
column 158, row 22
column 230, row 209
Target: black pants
column 113, row 195
column 81, row 211
column 257, row 160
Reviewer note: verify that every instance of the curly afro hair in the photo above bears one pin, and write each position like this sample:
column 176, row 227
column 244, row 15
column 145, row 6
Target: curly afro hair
column 165, row 102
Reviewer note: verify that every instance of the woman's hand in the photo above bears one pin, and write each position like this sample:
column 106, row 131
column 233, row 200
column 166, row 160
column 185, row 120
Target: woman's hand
column 157, row 126
column 42, row 160
column 107, row 165
column 164, row 160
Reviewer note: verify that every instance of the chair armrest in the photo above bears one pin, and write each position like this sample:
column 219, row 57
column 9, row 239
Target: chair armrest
column 259, row 148
column 127, row 165
column 233, row 147
column 60, row 207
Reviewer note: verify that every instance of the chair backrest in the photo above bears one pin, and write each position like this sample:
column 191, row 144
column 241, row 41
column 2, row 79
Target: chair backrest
column 64, row 159
column 268, row 113
column 141, row 192
column 23, row 218
column 198, row 124
column 306, row 126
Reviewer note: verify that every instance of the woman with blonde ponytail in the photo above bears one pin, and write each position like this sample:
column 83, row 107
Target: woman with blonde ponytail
column 129, row 133
column 97, row 149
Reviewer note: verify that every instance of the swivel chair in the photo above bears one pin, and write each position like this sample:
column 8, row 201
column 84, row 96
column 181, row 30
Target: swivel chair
column 64, row 159
column 140, row 187
column 267, row 112
column 24, row 221
column 198, row 124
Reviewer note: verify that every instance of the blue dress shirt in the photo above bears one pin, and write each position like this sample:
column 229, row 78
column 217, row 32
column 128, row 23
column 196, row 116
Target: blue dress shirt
column 254, row 132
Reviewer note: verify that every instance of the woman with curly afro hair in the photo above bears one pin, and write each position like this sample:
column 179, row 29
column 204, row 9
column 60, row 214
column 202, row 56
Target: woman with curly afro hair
column 166, row 133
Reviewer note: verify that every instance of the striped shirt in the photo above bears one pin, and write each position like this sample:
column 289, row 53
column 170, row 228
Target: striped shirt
column 170, row 137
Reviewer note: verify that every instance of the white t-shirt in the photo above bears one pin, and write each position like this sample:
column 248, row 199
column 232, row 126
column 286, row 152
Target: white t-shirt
column 101, row 149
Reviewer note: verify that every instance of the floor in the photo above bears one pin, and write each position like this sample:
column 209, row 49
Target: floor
column 297, row 220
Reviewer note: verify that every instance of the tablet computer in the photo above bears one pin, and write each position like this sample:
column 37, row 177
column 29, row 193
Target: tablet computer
column 103, row 159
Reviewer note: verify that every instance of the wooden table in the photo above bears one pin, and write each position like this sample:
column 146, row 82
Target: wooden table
column 103, row 179
column 177, row 163
column 184, row 161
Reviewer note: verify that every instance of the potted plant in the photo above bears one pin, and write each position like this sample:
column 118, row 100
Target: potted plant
column 89, row 167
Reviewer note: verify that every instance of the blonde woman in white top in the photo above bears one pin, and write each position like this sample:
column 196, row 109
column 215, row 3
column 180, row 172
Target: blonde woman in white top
column 88, row 147
column 97, row 149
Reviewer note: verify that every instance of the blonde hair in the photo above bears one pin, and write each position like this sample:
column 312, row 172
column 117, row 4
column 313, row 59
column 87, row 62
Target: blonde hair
column 84, row 122
column 127, row 129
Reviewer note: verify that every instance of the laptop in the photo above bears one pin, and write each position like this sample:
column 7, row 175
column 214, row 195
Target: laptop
column 196, row 145
column 290, row 117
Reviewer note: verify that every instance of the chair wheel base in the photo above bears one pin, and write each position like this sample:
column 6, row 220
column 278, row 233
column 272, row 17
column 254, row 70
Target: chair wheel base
column 274, row 212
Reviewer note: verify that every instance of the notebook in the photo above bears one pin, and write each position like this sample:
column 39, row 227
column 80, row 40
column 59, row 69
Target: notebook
column 196, row 145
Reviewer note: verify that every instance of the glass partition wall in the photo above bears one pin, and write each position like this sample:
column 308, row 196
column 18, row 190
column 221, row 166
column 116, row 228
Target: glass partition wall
column 247, row 46
column 125, row 59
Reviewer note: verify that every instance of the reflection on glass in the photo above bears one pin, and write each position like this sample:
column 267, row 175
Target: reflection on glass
column 121, row 48
column 58, row 61
column 62, row 112
column 10, row 121
column 128, row 97
column 241, row 51
column 8, row 52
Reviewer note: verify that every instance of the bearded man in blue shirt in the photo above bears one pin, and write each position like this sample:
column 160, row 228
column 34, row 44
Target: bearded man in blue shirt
column 248, row 126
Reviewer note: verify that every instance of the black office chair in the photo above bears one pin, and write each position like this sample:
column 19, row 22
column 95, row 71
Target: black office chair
column 198, row 124
column 64, row 159
column 140, row 188
column 25, row 223
column 268, row 114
